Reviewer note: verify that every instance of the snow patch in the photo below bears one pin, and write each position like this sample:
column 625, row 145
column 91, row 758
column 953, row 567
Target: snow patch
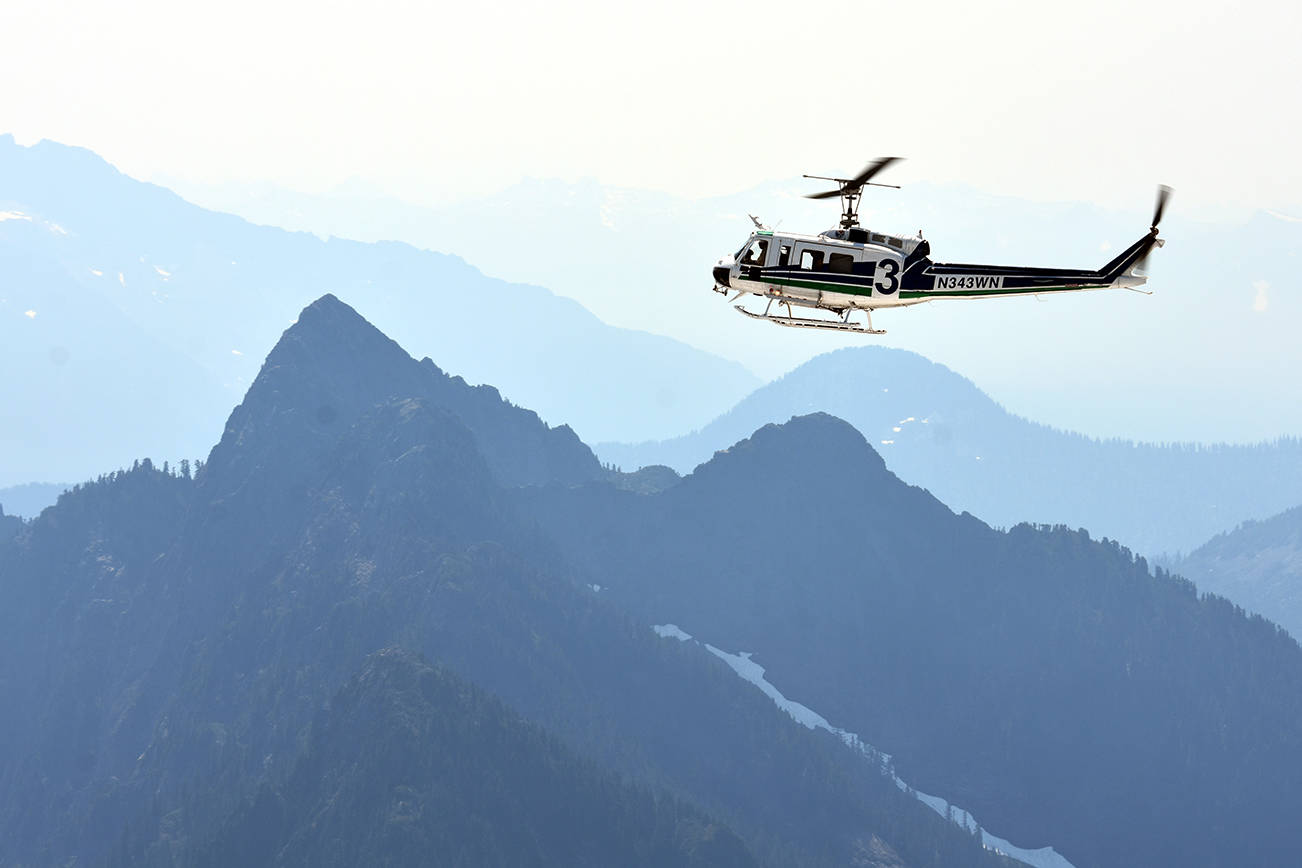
column 122, row 278
column 97, row 272
column 596, row 589
column 236, row 353
column 1044, row 857
column 802, row 714
column 14, row 215
column 1287, row 218
column 888, row 442
column 164, row 274
column 744, row 666
column 30, row 314
column 671, row 631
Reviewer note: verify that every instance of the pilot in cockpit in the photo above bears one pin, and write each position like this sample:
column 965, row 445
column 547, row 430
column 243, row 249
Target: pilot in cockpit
column 756, row 253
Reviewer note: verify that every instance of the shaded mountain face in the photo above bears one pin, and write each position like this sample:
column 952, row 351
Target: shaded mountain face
column 332, row 366
column 938, row 430
column 409, row 763
column 1258, row 565
column 1044, row 681
column 149, row 316
column 169, row 640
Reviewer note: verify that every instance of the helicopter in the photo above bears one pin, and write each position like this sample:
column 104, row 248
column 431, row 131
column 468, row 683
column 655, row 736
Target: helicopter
column 849, row 268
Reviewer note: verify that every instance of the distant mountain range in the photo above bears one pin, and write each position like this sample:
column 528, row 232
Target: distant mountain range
column 137, row 318
column 1257, row 565
column 939, row 430
column 1209, row 357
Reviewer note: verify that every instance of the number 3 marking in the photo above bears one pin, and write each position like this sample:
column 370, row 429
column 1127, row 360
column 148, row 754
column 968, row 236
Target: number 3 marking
column 890, row 266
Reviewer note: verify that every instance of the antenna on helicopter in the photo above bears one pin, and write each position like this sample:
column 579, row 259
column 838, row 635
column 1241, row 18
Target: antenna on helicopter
column 851, row 189
column 756, row 221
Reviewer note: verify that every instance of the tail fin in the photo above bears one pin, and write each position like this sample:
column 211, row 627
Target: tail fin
column 1128, row 257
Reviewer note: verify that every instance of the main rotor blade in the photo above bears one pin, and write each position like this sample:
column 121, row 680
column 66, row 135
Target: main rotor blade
column 1163, row 193
column 824, row 195
column 872, row 169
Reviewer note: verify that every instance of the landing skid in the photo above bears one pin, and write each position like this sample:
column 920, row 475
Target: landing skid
column 800, row 322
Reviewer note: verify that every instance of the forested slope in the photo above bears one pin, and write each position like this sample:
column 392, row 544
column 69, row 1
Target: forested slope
column 1044, row 680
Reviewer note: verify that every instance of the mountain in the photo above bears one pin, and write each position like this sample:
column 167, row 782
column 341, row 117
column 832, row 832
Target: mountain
column 97, row 388
column 1258, row 565
column 28, row 500
column 1047, row 682
column 139, row 316
column 170, row 643
column 321, row 378
column 409, row 762
column 937, row 429
column 1109, row 364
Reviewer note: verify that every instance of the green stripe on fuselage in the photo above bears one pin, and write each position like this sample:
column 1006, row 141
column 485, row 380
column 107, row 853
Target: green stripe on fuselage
column 847, row 289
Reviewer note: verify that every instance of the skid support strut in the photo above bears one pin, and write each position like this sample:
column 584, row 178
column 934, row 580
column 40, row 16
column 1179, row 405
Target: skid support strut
column 838, row 325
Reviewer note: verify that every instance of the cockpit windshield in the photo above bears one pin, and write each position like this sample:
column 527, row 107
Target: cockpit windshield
column 755, row 252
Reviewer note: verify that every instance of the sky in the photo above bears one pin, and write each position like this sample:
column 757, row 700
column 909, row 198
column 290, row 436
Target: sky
column 437, row 101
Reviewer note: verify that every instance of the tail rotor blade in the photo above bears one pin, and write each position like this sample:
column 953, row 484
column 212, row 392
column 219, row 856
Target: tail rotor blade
column 1163, row 193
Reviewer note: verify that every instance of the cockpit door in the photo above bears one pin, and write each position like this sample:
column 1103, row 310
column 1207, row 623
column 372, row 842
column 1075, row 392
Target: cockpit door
column 756, row 255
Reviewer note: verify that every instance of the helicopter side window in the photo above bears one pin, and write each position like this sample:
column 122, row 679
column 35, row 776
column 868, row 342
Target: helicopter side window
column 840, row 263
column 811, row 260
column 756, row 253
column 784, row 254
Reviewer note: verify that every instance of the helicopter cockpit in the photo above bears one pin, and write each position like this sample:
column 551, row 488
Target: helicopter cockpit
column 754, row 252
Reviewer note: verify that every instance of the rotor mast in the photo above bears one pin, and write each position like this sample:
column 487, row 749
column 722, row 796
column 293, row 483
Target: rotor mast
column 850, row 190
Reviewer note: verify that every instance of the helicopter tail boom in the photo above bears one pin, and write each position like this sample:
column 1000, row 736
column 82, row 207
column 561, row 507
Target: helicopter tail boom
column 926, row 279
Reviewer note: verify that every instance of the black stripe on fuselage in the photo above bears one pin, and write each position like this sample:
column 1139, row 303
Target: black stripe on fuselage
column 921, row 275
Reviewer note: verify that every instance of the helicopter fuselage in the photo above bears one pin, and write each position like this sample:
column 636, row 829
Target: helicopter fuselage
column 852, row 268
column 834, row 271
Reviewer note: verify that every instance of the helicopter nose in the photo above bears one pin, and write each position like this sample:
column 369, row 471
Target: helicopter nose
column 721, row 275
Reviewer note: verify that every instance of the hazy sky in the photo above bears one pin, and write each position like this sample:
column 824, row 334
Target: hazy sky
column 436, row 101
